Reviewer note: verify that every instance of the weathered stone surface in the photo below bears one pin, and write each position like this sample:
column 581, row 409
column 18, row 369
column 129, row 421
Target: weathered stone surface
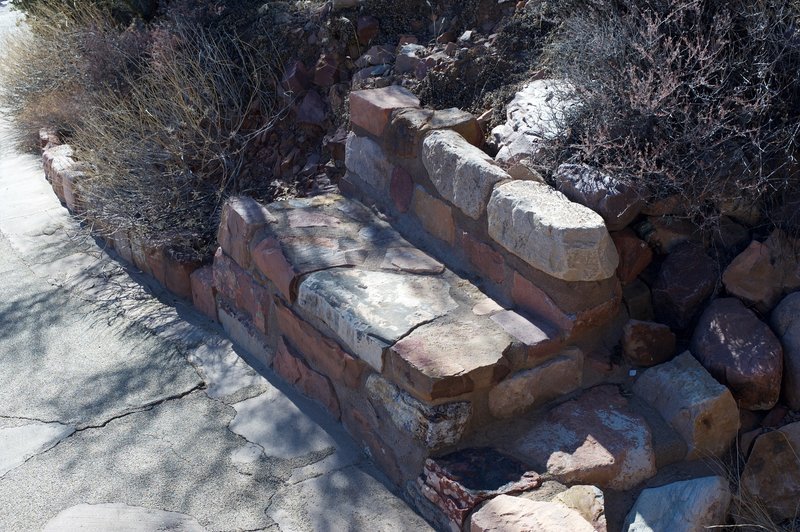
column 463, row 174
column 533, row 387
column 323, row 353
column 365, row 158
column 699, row 408
column 369, row 311
column 434, row 426
column 376, row 55
column 638, row 300
column 434, row 215
column 753, row 278
column 308, row 381
column 409, row 126
column 690, row 505
column 311, row 110
column 401, row 189
column 272, row 263
column 616, row 202
column 177, row 275
column 646, row 343
column 242, row 332
column 489, row 263
column 459, row 481
column 70, row 183
column 449, row 357
column 594, row 439
column 18, row 444
column 588, row 501
column 407, row 58
column 771, row 476
column 411, row 260
column 686, row 280
column 507, row 513
column 785, row 322
column 371, row 109
column 549, row 232
column 535, row 114
column 241, row 218
column 740, row 351
column 634, row 255
column 239, row 290
column 203, row 295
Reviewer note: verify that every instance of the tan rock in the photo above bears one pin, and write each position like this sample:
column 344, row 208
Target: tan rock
column 505, row 513
column 588, row 501
column 700, row 409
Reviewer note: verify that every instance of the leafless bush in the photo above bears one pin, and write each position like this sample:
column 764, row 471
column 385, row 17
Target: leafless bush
column 52, row 67
column 163, row 155
column 693, row 97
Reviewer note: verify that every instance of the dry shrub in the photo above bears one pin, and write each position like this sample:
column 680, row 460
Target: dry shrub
column 163, row 155
column 693, row 97
column 55, row 64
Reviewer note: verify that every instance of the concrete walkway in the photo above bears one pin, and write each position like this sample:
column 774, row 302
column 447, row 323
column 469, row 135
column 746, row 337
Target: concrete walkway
column 123, row 409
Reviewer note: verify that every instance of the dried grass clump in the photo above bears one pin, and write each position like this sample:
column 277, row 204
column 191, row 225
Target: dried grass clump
column 693, row 97
column 164, row 154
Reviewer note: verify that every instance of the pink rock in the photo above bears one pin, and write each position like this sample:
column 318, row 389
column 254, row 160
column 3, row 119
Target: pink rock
column 647, row 343
column 401, row 189
column 241, row 218
column 686, row 280
column 740, row 351
column 308, row 381
column 505, row 513
column 311, row 110
column 753, row 277
column 371, row 109
column 203, row 293
column 634, row 255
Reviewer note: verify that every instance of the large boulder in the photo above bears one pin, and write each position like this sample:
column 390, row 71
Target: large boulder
column 616, row 202
column 785, row 322
column 740, row 351
column 551, row 233
column 699, row 408
column 686, row 280
column 690, row 506
column 771, row 477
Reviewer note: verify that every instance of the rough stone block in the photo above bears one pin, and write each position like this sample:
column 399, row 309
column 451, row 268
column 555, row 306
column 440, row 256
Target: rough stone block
column 371, row 109
column 489, row 263
column 533, row 387
column 138, row 252
column 369, row 311
column 241, row 219
column 242, row 332
column 647, row 343
column 449, row 357
column 309, row 382
column 365, row 158
column 434, row 426
column 324, row 354
column 616, row 202
column 409, row 127
column 688, row 505
column 754, row 277
column 634, row 255
column 434, row 215
column 505, row 512
column 156, row 262
column 686, row 280
column 699, row 408
column 122, row 245
column 70, row 181
column 463, row 174
column 270, row 260
column 203, row 292
column 177, row 275
column 401, row 189
column 549, row 232
column 595, row 439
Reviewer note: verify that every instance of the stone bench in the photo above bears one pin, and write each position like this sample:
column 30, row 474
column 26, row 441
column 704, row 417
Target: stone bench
column 409, row 355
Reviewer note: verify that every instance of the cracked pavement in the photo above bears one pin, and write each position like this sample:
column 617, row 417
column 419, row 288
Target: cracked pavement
column 121, row 408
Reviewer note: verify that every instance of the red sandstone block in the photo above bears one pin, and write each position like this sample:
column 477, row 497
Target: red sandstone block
column 138, row 252
column 178, row 275
column 322, row 353
column 241, row 291
column 122, row 243
column 401, row 189
column 305, row 379
column 434, row 215
column 487, row 261
column 156, row 262
column 203, row 293
column 371, row 109
column 273, row 264
column 241, row 219
column 533, row 300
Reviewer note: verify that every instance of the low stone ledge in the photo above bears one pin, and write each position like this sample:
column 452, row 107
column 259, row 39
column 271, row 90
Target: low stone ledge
column 551, row 233
column 371, row 109
column 241, row 218
column 463, row 174
column 365, row 158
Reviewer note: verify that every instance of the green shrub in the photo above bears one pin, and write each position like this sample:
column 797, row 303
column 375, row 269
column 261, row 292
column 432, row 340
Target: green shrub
column 693, row 97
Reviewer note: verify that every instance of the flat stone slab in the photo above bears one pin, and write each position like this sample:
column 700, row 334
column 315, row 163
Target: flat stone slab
column 595, row 439
column 369, row 311
column 121, row 518
column 18, row 444
column 260, row 418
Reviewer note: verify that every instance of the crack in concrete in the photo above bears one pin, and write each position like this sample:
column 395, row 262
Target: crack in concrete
column 23, row 418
